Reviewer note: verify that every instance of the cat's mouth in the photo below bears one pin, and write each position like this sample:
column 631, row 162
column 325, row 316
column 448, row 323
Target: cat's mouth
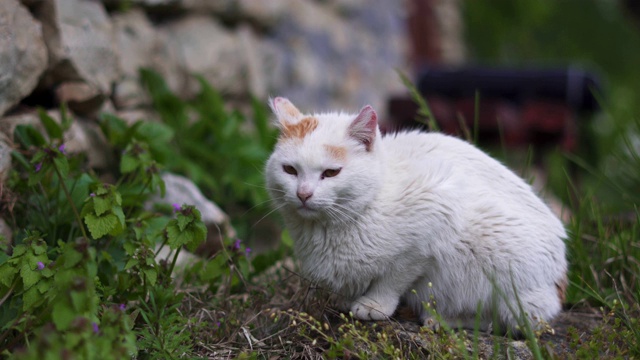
column 307, row 211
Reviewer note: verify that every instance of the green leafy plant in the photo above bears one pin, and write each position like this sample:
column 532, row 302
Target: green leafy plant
column 216, row 148
column 71, row 272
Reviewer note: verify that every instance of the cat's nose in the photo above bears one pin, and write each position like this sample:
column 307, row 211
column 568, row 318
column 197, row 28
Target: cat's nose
column 304, row 195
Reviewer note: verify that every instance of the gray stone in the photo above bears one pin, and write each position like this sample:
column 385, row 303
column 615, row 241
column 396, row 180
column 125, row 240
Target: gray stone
column 82, row 98
column 23, row 55
column 265, row 13
column 134, row 115
column 80, row 41
column 168, row 6
column 136, row 40
column 5, row 158
column 203, row 47
column 180, row 190
column 336, row 60
column 139, row 46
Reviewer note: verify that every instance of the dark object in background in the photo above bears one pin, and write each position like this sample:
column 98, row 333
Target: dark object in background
column 528, row 106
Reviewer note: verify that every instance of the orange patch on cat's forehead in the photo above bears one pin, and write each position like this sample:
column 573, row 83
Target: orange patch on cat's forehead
column 300, row 129
column 336, row 152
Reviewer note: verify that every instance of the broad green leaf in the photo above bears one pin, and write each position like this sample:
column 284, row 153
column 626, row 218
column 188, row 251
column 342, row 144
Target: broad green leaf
column 131, row 263
column 50, row 125
column 29, row 276
column 177, row 238
column 71, row 257
column 39, row 248
column 62, row 165
column 183, row 221
column 100, row 226
column 39, row 172
column 214, row 268
column 28, row 136
column 101, row 205
column 199, row 231
column 128, row 163
column 80, row 300
column 46, row 272
column 117, row 211
column 130, row 247
column 66, row 120
column 7, row 274
column 155, row 132
column 30, row 298
column 19, row 250
column 62, row 314
column 43, row 285
column 116, row 196
column 152, row 275
column 101, row 189
column 80, row 188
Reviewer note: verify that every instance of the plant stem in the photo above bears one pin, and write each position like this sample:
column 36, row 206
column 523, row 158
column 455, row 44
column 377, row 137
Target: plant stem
column 175, row 259
column 73, row 206
column 6, row 296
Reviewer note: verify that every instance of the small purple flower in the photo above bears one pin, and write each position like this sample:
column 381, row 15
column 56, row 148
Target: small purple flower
column 236, row 245
column 92, row 194
column 247, row 251
column 218, row 323
column 38, row 166
column 40, row 265
column 61, row 149
column 96, row 329
column 122, row 307
column 176, row 207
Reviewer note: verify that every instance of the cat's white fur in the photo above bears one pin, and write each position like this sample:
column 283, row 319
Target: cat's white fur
column 420, row 216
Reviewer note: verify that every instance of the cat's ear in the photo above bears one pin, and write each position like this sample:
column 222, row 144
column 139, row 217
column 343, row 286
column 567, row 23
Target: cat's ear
column 364, row 127
column 284, row 110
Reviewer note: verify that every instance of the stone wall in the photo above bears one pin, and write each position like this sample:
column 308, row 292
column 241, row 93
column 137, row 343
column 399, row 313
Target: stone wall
column 86, row 53
column 331, row 53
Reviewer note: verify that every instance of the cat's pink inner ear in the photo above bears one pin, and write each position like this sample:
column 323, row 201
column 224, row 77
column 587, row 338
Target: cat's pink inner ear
column 285, row 110
column 364, row 126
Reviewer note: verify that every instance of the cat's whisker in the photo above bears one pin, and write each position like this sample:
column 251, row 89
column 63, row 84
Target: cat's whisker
column 271, row 200
column 265, row 187
column 269, row 213
column 341, row 214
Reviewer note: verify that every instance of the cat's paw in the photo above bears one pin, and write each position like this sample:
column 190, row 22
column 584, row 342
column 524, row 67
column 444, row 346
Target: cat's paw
column 368, row 309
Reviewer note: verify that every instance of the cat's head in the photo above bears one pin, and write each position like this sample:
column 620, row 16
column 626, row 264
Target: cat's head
column 324, row 166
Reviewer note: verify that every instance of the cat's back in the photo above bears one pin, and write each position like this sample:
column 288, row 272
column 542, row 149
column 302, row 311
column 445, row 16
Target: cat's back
column 419, row 153
column 461, row 173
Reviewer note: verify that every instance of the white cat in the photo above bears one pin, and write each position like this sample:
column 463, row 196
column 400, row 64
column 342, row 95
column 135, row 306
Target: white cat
column 420, row 216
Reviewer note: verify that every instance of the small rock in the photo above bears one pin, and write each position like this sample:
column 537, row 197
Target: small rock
column 180, row 190
column 80, row 41
column 23, row 55
column 82, row 98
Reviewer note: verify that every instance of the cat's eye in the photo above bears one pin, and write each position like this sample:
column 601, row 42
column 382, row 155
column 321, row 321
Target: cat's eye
column 330, row 173
column 289, row 169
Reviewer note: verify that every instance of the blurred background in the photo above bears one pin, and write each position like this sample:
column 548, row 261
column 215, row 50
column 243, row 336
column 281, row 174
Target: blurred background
column 548, row 85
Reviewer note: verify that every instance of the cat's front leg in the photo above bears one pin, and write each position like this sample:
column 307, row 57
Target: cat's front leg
column 380, row 301
column 377, row 308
